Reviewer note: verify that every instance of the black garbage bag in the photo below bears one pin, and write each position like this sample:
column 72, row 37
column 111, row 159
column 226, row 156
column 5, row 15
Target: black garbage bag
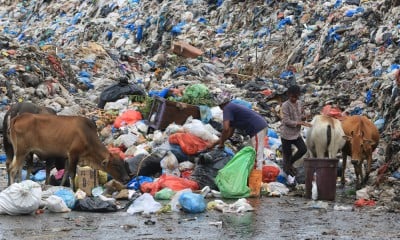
column 144, row 165
column 94, row 204
column 179, row 154
column 57, row 182
column 118, row 91
column 208, row 166
column 353, row 2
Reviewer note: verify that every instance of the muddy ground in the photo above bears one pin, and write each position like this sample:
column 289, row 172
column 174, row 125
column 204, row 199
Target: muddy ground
column 287, row 217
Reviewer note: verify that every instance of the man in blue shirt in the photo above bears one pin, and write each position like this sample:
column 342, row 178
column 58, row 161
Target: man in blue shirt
column 243, row 118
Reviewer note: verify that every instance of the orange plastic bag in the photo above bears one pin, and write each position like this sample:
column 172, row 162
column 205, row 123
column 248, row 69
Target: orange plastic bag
column 128, row 117
column 169, row 181
column 189, row 143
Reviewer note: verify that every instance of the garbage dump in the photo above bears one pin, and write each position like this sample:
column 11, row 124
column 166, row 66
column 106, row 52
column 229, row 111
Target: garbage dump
column 146, row 72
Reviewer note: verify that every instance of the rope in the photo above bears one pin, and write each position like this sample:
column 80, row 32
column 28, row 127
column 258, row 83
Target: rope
column 140, row 165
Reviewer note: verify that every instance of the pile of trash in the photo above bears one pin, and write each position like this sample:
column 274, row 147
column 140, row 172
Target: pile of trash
column 108, row 59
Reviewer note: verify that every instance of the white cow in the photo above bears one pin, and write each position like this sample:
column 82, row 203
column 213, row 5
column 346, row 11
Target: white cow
column 325, row 138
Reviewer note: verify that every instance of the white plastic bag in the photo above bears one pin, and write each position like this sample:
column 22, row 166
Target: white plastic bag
column 170, row 165
column 158, row 137
column 21, row 198
column 127, row 140
column 277, row 189
column 145, row 204
column 197, row 128
column 216, row 113
column 173, row 128
column 56, row 204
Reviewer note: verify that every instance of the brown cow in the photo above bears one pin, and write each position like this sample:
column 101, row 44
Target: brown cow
column 14, row 111
column 73, row 137
column 362, row 138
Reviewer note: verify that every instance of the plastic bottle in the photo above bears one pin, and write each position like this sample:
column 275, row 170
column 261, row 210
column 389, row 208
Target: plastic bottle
column 314, row 189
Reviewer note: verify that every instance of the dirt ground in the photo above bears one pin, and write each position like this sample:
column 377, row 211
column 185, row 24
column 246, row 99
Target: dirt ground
column 286, row 217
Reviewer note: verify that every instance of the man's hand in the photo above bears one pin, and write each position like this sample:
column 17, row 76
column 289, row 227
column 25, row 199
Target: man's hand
column 212, row 145
column 305, row 124
column 218, row 144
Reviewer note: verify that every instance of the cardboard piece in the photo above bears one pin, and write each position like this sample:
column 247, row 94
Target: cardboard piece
column 87, row 179
column 186, row 50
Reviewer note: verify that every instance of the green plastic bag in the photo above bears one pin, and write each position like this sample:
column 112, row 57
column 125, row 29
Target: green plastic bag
column 232, row 179
column 164, row 194
column 197, row 94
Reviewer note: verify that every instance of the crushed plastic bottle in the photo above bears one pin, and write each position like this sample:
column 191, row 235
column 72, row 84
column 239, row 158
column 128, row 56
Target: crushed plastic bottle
column 314, row 189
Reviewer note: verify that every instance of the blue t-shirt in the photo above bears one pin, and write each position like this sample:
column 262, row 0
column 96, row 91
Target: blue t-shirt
column 244, row 118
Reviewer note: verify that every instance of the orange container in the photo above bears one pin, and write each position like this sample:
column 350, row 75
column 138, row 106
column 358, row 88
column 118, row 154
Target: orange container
column 255, row 181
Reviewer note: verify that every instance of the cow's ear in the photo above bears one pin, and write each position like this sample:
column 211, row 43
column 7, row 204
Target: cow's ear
column 347, row 138
column 368, row 141
column 104, row 163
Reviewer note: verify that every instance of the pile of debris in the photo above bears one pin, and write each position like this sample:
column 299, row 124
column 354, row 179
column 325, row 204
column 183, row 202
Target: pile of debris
column 345, row 53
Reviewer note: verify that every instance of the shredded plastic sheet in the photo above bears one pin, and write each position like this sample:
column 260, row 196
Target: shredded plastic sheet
column 56, row 204
column 240, row 206
column 144, row 204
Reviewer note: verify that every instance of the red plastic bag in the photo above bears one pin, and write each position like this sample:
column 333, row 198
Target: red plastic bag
column 128, row 117
column 364, row 202
column 169, row 181
column 331, row 111
column 189, row 143
column 118, row 151
column 270, row 173
column 147, row 187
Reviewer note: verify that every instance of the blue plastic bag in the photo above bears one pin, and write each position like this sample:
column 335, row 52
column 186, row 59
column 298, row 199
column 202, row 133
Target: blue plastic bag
column 109, row 35
column 139, row 34
column 86, row 81
column 163, row 93
column 272, row 133
column 352, row 12
column 180, row 69
column 192, row 202
column 39, row 176
column 179, row 154
column 368, row 97
column 338, row 3
column 67, row 196
column 286, row 75
column 380, row 123
column 242, row 102
column 205, row 113
column 356, row 111
column 135, row 182
column 3, row 158
column 177, row 29
column 396, row 174
column 284, row 22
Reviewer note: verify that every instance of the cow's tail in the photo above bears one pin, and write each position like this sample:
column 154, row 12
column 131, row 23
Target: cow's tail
column 328, row 136
column 11, row 133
